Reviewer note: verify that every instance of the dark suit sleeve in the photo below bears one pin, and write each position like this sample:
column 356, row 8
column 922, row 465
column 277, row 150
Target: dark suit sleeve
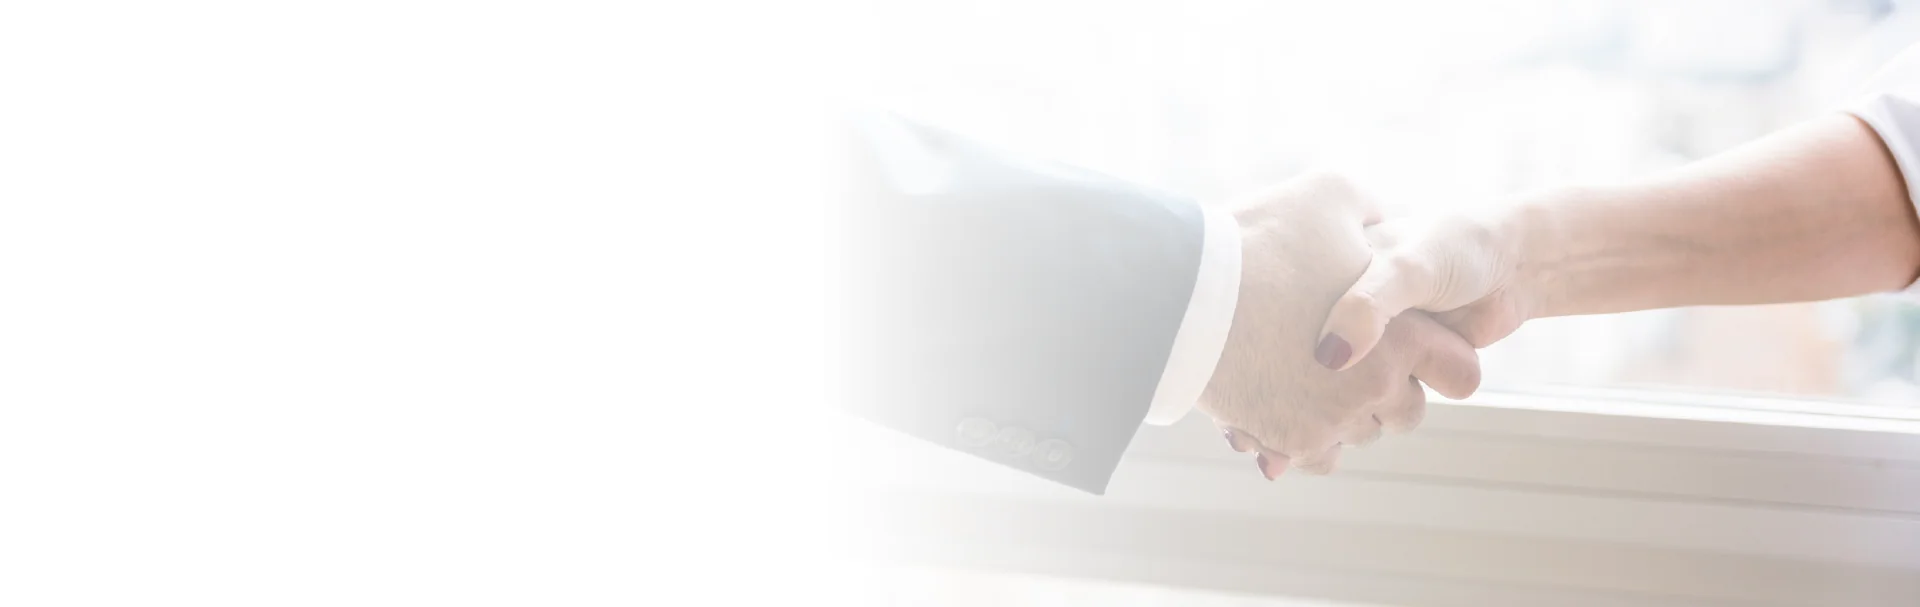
column 1020, row 311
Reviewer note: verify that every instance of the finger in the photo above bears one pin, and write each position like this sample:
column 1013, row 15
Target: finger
column 1363, row 432
column 1405, row 411
column 1239, row 441
column 1477, row 323
column 1271, row 464
column 1441, row 358
column 1391, row 284
column 1319, row 463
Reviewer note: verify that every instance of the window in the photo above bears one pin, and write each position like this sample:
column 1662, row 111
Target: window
column 1681, row 457
column 1441, row 106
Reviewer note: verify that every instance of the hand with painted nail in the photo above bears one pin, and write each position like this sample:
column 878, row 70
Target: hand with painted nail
column 1460, row 268
column 1275, row 391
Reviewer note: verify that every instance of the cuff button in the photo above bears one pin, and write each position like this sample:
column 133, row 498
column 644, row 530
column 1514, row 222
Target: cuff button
column 1014, row 442
column 974, row 432
column 1053, row 454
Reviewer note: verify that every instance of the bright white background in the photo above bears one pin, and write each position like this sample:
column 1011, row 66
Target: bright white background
column 402, row 303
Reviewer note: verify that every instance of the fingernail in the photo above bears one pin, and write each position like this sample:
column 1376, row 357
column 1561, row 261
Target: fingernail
column 1233, row 441
column 1332, row 352
column 1265, row 469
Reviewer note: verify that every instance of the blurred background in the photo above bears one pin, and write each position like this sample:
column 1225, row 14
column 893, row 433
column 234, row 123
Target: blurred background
column 1438, row 106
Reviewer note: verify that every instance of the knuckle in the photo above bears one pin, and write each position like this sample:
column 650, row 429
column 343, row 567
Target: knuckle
column 1360, row 313
column 1363, row 437
column 1406, row 417
column 1362, row 303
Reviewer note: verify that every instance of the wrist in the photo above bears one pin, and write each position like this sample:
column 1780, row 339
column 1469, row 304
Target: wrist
column 1531, row 240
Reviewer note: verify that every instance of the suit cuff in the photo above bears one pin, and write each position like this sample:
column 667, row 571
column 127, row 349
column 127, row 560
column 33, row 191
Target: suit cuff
column 1203, row 329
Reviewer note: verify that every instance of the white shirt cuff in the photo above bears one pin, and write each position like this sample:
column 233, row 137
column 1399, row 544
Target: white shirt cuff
column 1891, row 106
column 1203, row 329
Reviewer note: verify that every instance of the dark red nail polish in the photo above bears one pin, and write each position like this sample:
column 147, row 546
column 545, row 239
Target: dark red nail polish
column 1261, row 461
column 1228, row 434
column 1332, row 352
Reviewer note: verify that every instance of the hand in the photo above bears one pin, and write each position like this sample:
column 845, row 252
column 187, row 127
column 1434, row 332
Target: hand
column 1303, row 244
column 1463, row 268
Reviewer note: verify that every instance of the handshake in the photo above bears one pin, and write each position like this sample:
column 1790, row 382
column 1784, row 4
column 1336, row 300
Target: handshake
column 1320, row 353
column 1035, row 315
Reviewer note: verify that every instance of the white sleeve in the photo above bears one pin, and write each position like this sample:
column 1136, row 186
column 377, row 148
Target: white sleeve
column 1203, row 329
column 1891, row 105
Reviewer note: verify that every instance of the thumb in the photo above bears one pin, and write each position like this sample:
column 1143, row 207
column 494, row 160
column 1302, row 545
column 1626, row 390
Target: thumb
column 1390, row 285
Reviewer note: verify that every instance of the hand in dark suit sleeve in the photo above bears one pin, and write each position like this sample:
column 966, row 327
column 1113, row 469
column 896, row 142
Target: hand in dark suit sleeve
column 1020, row 311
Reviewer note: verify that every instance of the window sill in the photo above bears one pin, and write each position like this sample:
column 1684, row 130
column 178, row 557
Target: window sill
column 1603, row 495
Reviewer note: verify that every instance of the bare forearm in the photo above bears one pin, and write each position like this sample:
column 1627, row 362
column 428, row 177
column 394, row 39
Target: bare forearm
column 1815, row 212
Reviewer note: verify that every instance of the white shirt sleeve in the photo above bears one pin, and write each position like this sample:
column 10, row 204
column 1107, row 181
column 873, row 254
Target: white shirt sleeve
column 1203, row 329
column 1891, row 105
